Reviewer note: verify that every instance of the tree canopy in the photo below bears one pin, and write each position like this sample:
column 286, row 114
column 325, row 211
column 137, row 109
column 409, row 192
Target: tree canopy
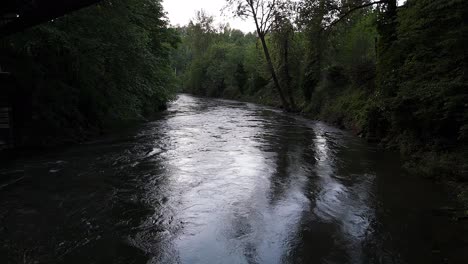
column 393, row 74
column 103, row 64
column 389, row 73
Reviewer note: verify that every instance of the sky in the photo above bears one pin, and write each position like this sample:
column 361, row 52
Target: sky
column 180, row 12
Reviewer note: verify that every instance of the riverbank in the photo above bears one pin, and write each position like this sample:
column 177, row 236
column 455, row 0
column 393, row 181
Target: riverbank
column 393, row 78
column 351, row 111
column 446, row 168
column 221, row 180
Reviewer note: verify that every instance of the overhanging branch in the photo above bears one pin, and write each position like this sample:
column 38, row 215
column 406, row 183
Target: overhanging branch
column 353, row 9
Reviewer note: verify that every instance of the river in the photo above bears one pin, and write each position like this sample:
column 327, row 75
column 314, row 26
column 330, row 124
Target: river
column 217, row 181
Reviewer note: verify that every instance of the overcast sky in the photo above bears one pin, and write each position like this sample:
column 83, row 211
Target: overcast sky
column 181, row 11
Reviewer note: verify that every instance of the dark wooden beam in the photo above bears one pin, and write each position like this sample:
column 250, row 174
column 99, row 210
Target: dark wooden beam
column 29, row 13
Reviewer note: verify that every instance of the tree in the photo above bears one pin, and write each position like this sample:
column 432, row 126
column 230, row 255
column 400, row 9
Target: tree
column 262, row 12
column 241, row 77
column 97, row 66
column 283, row 37
column 313, row 17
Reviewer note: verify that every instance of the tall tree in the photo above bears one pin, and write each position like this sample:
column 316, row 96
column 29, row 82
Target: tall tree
column 262, row 12
column 313, row 17
column 283, row 37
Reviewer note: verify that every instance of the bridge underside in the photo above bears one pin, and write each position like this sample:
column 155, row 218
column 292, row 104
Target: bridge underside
column 17, row 15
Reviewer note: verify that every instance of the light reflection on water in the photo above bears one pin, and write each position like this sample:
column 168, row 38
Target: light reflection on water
column 238, row 183
column 216, row 181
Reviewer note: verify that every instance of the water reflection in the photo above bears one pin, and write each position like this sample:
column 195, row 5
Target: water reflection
column 238, row 189
column 348, row 207
column 215, row 181
column 224, row 179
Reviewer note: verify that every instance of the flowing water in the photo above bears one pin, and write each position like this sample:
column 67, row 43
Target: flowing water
column 215, row 181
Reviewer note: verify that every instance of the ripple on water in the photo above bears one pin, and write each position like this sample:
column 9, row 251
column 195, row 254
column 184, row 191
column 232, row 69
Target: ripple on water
column 216, row 181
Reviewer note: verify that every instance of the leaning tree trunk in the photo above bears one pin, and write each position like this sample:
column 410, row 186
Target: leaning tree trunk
column 261, row 35
column 284, row 102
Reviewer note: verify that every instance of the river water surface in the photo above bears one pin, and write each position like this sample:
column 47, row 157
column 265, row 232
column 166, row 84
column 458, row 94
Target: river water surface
column 215, row 181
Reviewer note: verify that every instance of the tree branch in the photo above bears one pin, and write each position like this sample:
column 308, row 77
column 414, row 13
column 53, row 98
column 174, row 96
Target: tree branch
column 350, row 11
column 268, row 17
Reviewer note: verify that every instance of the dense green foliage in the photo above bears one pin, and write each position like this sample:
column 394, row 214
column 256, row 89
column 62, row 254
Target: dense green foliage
column 392, row 74
column 424, row 84
column 78, row 74
column 212, row 62
column 396, row 75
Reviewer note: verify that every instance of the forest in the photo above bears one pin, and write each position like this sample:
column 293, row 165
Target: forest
column 390, row 72
column 393, row 74
column 335, row 132
column 96, row 68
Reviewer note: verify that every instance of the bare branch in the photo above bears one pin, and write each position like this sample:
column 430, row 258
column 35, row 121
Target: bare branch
column 270, row 12
column 262, row 21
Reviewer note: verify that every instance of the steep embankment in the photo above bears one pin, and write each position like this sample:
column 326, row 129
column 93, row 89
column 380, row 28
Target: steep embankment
column 80, row 73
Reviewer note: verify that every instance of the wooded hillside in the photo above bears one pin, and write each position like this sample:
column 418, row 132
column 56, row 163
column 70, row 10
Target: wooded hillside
column 393, row 74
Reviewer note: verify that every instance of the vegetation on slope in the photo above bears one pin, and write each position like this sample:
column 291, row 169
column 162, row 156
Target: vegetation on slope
column 76, row 75
column 392, row 74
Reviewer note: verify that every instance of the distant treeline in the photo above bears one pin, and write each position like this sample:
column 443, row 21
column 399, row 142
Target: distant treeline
column 393, row 74
column 80, row 73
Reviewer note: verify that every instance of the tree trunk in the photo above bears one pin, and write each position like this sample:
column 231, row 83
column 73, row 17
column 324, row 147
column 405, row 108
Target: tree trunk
column 392, row 18
column 387, row 28
column 261, row 35
column 273, row 73
column 286, row 74
column 392, row 8
column 388, row 23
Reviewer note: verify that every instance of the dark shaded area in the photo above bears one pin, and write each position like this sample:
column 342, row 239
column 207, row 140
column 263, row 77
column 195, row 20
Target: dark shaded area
column 18, row 15
column 75, row 77
column 6, row 123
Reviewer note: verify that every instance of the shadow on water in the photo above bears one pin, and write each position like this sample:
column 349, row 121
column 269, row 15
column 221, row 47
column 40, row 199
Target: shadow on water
column 218, row 181
column 72, row 207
